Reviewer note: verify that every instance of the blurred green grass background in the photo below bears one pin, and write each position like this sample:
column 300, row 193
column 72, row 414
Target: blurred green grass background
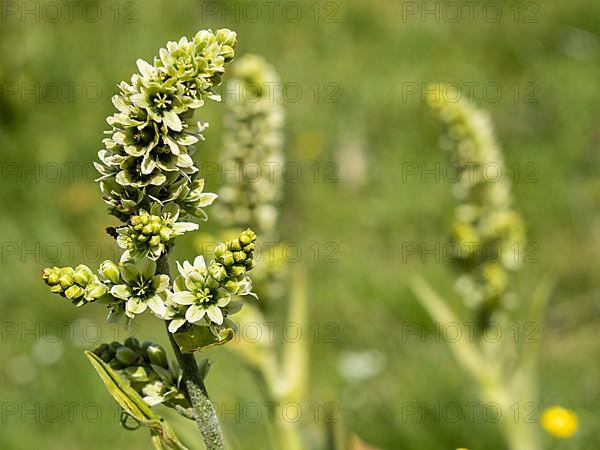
column 370, row 52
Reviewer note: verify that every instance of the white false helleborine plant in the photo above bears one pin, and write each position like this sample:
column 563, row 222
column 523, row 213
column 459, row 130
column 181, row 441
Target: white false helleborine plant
column 150, row 182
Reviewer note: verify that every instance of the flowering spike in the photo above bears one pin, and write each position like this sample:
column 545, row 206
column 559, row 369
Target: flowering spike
column 147, row 156
column 484, row 218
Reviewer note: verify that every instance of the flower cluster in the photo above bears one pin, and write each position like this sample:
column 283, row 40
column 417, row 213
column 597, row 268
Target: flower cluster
column 147, row 369
column 79, row 285
column 485, row 226
column 147, row 158
column 148, row 234
column 252, row 146
column 203, row 293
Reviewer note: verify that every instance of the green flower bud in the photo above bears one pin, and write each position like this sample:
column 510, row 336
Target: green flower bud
column 111, row 271
column 95, row 290
column 126, row 356
column 157, row 355
column 227, row 52
column 235, row 245
column 51, row 275
column 115, row 364
column 231, row 286
column 247, row 237
column 66, row 277
column 226, row 36
column 227, row 259
column 237, row 270
column 217, row 271
column 74, row 292
column 83, row 275
column 239, row 256
column 132, row 343
column 114, row 345
column 56, row 289
column 165, row 233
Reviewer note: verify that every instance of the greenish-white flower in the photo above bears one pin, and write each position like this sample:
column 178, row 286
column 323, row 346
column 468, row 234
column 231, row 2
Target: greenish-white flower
column 199, row 292
column 203, row 292
column 141, row 288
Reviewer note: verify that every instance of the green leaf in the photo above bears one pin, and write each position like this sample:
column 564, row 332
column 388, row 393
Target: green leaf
column 196, row 338
column 162, row 435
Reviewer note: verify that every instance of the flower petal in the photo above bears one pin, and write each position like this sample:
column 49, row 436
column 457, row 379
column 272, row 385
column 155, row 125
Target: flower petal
column 215, row 314
column 199, row 262
column 183, row 298
column 206, row 199
column 135, row 305
column 182, row 227
column 195, row 313
column 175, row 325
column 172, row 120
column 157, row 305
column 121, row 291
column 160, row 283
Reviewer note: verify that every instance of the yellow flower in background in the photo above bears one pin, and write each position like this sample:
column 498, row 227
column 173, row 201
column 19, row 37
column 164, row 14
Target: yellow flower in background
column 560, row 422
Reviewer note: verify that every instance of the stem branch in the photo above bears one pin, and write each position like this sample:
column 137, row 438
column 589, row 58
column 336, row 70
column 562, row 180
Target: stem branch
column 204, row 411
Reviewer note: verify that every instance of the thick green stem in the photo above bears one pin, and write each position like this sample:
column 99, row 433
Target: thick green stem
column 204, row 411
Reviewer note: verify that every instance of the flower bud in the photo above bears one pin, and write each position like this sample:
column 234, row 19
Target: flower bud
column 66, row 277
column 247, row 237
column 227, row 52
column 157, row 355
column 220, row 250
column 51, row 275
column 126, row 356
column 217, row 271
column 227, row 259
column 114, row 345
column 231, row 286
column 83, row 275
column 74, row 292
column 237, row 270
column 132, row 343
column 111, row 271
column 56, row 289
column 115, row 364
column 226, row 36
column 235, row 245
column 95, row 290
column 239, row 256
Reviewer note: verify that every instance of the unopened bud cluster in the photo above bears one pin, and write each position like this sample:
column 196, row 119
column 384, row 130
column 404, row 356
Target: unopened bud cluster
column 252, row 139
column 484, row 215
column 148, row 234
column 147, row 369
column 79, row 285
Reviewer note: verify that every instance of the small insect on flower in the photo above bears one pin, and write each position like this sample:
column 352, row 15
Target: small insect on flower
column 560, row 422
